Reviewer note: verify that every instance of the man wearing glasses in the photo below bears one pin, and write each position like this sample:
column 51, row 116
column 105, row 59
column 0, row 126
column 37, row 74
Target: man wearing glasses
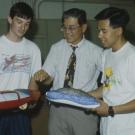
column 65, row 120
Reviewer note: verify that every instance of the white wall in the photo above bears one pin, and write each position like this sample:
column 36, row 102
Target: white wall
column 4, row 8
column 54, row 10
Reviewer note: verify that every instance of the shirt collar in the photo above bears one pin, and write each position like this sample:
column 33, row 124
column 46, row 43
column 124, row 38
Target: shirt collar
column 79, row 44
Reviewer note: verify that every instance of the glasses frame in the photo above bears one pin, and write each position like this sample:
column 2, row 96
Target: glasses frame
column 70, row 27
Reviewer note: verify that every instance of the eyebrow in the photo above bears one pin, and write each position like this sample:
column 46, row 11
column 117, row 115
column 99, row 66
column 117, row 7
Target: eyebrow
column 21, row 19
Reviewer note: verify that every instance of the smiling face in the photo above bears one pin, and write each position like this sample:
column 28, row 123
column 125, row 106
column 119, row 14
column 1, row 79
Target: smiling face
column 73, row 32
column 18, row 27
column 109, row 36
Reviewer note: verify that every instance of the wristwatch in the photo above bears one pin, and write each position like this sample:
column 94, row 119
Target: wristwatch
column 111, row 111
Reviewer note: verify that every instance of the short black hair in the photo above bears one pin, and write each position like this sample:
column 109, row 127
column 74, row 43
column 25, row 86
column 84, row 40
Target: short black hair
column 117, row 17
column 21, row 9
column 76, row 13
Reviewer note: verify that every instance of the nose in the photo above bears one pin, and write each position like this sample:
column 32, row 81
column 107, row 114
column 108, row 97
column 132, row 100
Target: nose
column 23, row 27
column 100, row 35
column 67, row 30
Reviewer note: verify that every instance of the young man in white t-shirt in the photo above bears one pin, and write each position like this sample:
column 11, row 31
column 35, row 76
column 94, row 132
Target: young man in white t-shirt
column 20, row 58
column 117, row 109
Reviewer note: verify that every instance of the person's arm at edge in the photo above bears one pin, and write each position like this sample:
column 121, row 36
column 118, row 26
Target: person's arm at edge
column 125, row 108
column 118, row 109
column 34, row 90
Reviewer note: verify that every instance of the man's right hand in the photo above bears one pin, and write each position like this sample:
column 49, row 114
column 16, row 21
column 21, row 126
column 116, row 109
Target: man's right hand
column 42, row 76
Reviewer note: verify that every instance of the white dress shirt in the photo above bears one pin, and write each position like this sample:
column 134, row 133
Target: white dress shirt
column 88, row 57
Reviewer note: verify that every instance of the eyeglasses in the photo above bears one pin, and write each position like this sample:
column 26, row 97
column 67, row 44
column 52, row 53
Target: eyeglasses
column 70, row 27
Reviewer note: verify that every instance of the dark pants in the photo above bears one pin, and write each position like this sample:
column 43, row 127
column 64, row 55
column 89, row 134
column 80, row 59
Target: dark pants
column 14, row 123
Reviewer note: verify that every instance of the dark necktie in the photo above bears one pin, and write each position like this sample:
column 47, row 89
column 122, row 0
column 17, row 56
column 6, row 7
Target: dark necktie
column 69, row 77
